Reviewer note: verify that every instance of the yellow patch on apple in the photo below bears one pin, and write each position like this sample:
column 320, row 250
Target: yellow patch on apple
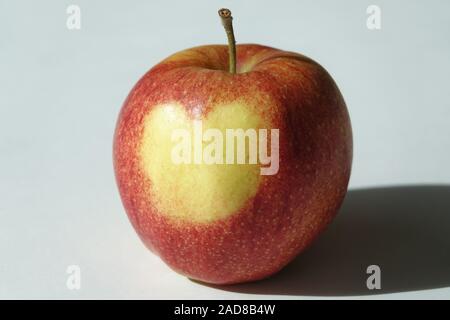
column 195, row 191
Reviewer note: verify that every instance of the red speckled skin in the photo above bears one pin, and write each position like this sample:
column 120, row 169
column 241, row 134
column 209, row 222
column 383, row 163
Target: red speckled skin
column 289, row 209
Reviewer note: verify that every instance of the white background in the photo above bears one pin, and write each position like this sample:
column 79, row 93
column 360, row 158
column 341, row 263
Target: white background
column 61, row 92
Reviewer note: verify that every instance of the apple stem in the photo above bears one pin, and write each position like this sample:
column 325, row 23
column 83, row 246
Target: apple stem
column 227, row 22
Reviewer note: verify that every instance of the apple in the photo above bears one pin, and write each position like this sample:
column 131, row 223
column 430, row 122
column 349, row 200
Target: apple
column 225, row 222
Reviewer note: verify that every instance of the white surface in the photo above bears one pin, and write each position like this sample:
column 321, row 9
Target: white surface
column 61, row 92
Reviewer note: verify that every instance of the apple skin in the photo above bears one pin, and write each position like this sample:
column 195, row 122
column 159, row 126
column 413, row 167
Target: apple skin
column 288, row 210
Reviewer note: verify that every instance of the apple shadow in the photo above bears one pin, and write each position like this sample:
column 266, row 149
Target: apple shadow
column 405, row 230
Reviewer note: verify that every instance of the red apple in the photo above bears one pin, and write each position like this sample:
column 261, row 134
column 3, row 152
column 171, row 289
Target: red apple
column 227, row 223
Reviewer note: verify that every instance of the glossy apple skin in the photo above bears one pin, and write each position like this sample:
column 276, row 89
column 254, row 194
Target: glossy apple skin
column 290, row 208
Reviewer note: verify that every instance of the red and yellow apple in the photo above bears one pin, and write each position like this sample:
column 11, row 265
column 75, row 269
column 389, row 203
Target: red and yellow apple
column 227, row 224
